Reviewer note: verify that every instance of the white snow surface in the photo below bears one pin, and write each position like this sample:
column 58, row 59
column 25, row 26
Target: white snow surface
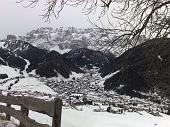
column 88, row 118
column 110, row 75
column 31, row 84
column 2, row 44
column 11, row 72
column 101, row 83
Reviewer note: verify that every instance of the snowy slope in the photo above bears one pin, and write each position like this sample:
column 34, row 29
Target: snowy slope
column 31, row 84
column 24, row 83
column 11, row 72
column 89, row 118
column 2, row 44
column 27, row 85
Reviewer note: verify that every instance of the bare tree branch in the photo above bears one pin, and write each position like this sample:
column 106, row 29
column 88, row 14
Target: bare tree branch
column 136, row 18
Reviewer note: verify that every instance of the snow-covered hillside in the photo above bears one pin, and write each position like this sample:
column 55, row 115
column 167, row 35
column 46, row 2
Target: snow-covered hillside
column 89, row 118
column 85, row 115
column 11, row 72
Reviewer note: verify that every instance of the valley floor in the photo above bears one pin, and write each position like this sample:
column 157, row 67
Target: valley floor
column 71, row 117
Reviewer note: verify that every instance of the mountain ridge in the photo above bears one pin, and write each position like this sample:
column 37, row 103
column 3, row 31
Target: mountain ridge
column 144, row 68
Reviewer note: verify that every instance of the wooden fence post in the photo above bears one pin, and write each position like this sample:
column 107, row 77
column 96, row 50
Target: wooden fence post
column 51, row 108
column 57, row 113
column 24, row 111
column 8, row 105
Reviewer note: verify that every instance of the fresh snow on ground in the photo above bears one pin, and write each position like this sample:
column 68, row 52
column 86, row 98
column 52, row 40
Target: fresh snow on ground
column 89, row 118
column 26, row 83
column 31, row 84
column 26, row 66
column 11, row 72
column 101, row 83
column 2, row 44
column 110, row 75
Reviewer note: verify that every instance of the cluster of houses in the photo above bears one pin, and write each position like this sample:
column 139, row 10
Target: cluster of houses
column 88, row 90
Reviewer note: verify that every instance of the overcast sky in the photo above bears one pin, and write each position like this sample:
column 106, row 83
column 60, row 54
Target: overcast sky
column 15, row 19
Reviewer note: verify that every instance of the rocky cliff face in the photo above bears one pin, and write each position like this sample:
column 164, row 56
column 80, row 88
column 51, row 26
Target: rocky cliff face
column 63, row 39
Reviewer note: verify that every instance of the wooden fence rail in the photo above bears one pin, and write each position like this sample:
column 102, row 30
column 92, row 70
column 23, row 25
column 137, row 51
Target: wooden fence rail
column 51, row 108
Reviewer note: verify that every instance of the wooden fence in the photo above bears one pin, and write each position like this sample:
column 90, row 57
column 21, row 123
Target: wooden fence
column 51, row 108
